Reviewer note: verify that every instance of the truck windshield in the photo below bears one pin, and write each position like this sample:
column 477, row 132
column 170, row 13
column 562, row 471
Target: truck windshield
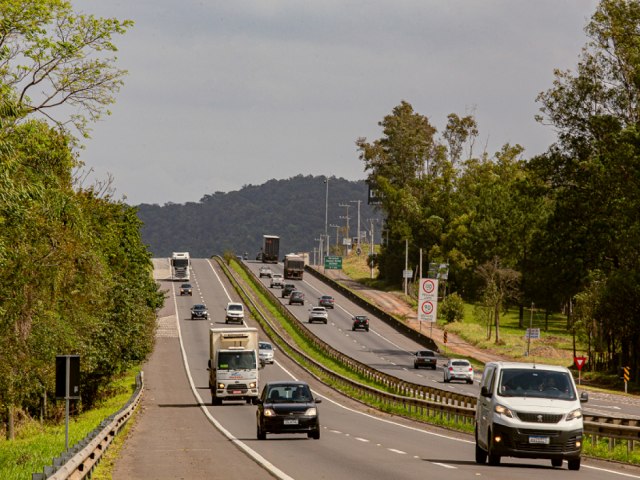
column 180, row 263
column 237, row 360
column 536, row 383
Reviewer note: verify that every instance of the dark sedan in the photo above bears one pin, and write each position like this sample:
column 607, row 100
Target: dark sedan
column 199, row 311
column 360, row 321
column 296, row 297
column 326, row 301
column 425, row 358
column 287, row 407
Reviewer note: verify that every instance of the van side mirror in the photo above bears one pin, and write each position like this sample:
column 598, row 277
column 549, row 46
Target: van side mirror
column 584, row 397
column 484, row 391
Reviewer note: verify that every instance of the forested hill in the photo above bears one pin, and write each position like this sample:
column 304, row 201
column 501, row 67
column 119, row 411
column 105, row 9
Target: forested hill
column 294, row 209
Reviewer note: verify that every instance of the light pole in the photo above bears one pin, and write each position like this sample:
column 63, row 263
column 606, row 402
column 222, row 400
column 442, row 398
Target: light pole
column 348, row 234
column 326, row 213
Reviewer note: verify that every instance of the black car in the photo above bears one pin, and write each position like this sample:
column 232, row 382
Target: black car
column 360, row 321
column 296, row 297
column 287, row 407
column 186, row 289
column 287, row 289
column 326, row 301
column 425, row 358
column 199, row 311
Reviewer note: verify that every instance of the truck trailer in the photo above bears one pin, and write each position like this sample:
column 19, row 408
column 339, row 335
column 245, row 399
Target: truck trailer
column 293, row 266
column 233, row 364
column 270, row 248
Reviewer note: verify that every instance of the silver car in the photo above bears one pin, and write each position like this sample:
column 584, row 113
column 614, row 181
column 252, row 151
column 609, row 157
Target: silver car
column 318, row 314
column 458, row 369
column 265, row 352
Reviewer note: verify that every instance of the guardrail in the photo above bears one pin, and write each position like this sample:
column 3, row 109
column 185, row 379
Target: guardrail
column 414, row 398
column 80, row 460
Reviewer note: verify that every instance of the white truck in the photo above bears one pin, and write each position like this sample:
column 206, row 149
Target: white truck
column 233, row 364
column 180, row 266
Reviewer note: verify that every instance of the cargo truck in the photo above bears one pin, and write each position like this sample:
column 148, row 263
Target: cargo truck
column 270, row 248
column 180, row 266
column 293, row 266
column 233, row 364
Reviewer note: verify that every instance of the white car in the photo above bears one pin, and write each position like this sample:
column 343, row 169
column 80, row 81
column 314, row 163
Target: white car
column 235, row 312
column 318, row 314
column 458, row 369
column 277, row 280
column 265, row 352
column 264, row 272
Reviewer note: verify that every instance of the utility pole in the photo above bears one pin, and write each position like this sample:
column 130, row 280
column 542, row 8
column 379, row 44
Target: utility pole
column 348, row 235
column 337, row 227
column 326, row 216
column 358, row 202
column 406, row 263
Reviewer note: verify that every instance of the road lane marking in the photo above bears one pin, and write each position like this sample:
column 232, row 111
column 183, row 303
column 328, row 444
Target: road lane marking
column 394, row 450
column 444, row 465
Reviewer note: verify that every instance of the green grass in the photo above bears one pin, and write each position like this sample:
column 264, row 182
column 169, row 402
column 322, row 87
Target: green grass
column 36, row 445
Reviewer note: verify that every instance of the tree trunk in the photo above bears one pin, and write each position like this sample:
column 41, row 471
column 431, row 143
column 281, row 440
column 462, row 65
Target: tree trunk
column 497, row 318
column 11, row 434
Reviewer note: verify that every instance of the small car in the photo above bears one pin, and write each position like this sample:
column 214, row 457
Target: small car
column 265, row 352
column 360, row 321
column 199, row 311
column 326, row 301
column 458, row 369
column 277, row 280
column 296, row 297
column 287, row 289
column 186, row 289
column 287, row 407
column 264, row 272
column 235, row 312
column 318, row 314
column 425, row 358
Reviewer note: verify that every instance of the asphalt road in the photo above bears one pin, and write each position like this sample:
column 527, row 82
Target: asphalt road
column 180, row 435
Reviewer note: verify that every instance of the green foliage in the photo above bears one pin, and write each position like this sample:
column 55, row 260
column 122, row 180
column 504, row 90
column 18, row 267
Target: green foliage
column 452, row 308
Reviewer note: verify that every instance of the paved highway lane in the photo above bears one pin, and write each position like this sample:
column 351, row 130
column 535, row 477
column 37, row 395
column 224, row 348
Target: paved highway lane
column 386, row 350
column 354, row 444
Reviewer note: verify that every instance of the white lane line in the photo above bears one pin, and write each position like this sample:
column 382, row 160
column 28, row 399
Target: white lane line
column 444, row 465
column 360, row 439
column 397, row 451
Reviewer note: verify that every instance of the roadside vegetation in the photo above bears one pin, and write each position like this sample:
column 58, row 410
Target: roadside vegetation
column 36, row 443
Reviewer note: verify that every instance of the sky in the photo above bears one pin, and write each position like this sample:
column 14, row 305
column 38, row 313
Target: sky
column 223, row 94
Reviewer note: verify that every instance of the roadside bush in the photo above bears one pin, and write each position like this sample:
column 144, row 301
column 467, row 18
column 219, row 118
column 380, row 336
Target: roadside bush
column 452, row 308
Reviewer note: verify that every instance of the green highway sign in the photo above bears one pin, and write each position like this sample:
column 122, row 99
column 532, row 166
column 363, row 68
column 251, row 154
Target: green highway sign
column 333, row 262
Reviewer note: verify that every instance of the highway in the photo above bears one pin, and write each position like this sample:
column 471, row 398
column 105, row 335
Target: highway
column 384, row 349
column 355, row 442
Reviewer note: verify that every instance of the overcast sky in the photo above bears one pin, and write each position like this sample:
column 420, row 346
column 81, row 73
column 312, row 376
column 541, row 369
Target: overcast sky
column 222, row 94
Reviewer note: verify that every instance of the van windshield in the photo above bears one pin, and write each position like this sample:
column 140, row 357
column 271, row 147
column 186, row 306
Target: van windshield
column 237, row 360
column 537, row 383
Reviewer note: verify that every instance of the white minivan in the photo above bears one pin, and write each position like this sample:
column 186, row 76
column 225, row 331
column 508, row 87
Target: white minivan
column 529, row 410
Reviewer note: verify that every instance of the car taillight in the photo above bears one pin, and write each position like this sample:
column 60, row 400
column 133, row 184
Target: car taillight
column 471, row 369
column 451, row 369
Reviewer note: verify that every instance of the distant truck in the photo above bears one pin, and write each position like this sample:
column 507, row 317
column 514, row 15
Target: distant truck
column 233, row 364
column 293, row 266
column 270, row 248
column 180, row 266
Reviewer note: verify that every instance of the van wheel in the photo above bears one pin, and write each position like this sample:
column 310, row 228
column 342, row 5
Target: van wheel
column 556, row 462
column 481, row 455
column 574, row 464
column 215, row 400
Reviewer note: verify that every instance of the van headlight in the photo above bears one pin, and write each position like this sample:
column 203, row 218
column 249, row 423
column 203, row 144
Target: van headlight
column 268, row 412
column 311, row 412
column 574, row 415
column 502, row 410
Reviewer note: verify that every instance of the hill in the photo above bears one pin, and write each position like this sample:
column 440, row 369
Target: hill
column 293, row 208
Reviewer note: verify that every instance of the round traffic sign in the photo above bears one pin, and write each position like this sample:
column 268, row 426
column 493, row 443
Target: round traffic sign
column 428, row 286
column 427, row 308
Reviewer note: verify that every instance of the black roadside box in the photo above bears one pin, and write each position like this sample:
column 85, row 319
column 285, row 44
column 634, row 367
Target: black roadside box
column 73, row 363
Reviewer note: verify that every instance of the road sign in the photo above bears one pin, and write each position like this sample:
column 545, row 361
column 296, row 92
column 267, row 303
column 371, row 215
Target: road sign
column 579, row 362
column 407, row 273
column 532, row 333
column 428, row 300
column 332, row 262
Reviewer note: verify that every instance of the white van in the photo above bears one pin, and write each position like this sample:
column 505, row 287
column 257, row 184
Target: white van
column 235, row 312
column 528, row 410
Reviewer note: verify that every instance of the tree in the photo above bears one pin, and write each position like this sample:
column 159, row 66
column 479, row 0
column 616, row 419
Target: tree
column 50, row 56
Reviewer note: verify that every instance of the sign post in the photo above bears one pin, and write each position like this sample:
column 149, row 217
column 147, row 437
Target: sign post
column 67, row 385
column 579, row 362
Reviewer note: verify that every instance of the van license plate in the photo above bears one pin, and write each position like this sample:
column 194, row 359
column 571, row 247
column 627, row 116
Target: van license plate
column 290, row 421
column 539, row 440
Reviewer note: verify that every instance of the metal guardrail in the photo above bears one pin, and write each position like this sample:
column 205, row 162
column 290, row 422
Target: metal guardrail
column 80, row 460
column 415, row 398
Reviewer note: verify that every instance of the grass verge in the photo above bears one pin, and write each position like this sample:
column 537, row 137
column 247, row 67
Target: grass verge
column 36, row 445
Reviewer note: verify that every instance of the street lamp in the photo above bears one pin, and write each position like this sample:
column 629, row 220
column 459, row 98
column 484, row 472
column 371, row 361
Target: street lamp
column 358, row 202
column 326, row 213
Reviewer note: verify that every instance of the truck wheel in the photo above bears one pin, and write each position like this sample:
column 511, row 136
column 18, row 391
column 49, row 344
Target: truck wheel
column 574, row 463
